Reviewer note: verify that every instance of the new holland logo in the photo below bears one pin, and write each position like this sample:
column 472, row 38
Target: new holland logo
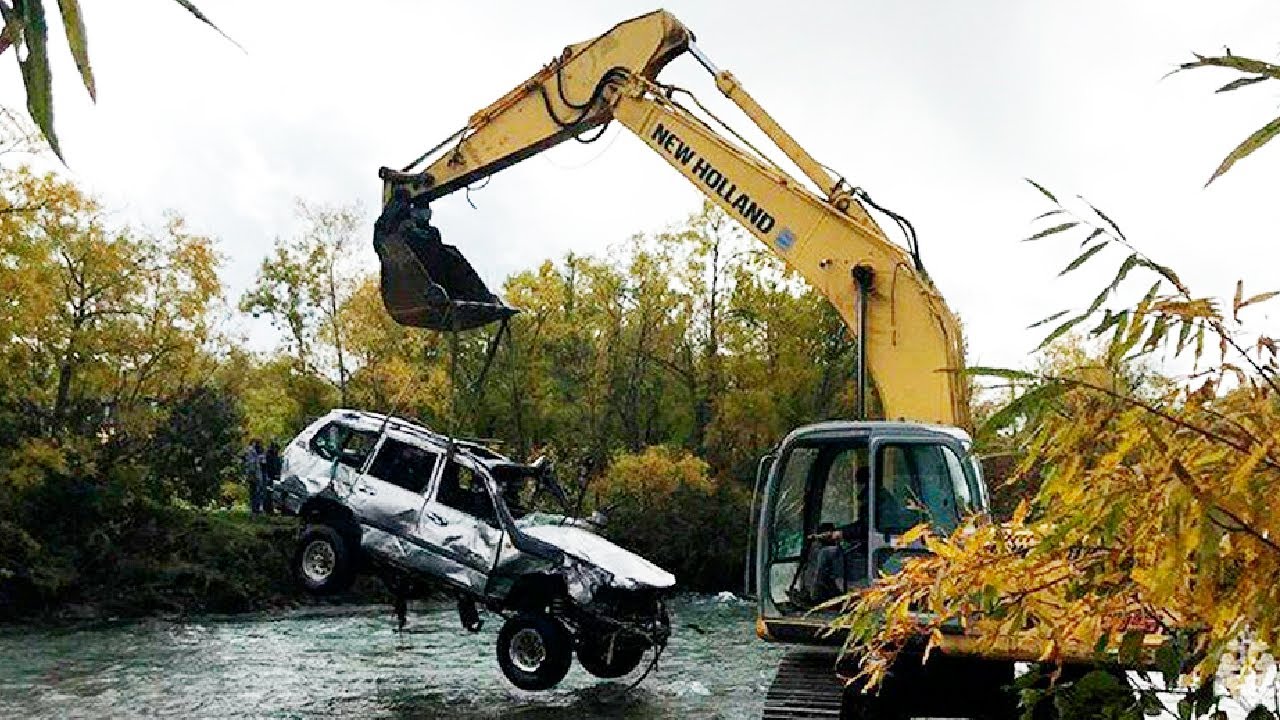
column 717, row 183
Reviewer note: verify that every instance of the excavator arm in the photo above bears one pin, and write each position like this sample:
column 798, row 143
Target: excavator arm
column 909, row 338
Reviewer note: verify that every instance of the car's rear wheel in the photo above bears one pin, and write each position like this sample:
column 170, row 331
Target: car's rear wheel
column 597, row 657
column 534, row 651
column 323, row 562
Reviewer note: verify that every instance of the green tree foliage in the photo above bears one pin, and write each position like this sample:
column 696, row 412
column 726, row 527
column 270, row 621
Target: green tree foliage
column 26, row 30
column 196, row 448
column 304, row 284
column 702, row 534
column 105, row 334
column 101, row 321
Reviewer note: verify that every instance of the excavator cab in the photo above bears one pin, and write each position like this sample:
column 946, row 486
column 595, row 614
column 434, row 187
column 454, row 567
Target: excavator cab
column 833, row 500
column 426, row 283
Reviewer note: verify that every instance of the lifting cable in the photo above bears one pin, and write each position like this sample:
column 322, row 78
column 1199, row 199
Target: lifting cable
column 653, row 663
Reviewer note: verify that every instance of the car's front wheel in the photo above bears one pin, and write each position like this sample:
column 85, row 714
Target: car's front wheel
column 323, row 562
column 534, row 651
column 597, row 657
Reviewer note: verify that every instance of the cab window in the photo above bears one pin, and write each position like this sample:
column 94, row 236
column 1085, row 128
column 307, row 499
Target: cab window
column 914, row 484
column 403, row 465
column 846, row 481
column 965, row 500
column 787, row 533
column 822, row 488
column 462, row 489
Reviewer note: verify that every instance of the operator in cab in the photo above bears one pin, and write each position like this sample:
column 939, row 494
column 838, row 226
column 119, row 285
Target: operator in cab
column 837, row 557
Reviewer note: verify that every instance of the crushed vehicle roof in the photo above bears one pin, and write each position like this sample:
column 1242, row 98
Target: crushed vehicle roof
column 472, row 448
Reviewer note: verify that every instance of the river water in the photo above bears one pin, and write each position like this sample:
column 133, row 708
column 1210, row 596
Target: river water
column 352, row 663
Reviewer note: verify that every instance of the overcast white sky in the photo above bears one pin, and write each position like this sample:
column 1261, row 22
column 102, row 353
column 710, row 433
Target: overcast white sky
column 937, row 107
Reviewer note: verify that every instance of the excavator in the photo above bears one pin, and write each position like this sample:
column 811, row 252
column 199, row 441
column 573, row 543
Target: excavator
column 831, row 498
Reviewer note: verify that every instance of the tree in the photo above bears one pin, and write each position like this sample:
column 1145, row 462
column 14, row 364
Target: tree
column 26, row 30
column 303, row 286
column 276, row 400
column 711, row 242
column 100, row 320
column 197, row 446
column 701, row 538
column 1159, row 503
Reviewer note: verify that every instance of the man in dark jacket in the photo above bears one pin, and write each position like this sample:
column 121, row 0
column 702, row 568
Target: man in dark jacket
column 271, row 466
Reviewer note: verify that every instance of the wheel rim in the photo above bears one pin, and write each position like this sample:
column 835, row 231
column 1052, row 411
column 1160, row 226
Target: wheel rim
column 527, row 650
column 318, row 561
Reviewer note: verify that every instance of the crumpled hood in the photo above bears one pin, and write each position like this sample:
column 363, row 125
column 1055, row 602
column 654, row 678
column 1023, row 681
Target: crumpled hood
column 628, row 569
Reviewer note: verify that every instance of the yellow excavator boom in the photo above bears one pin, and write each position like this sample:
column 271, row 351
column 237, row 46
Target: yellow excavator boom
column 910, row 339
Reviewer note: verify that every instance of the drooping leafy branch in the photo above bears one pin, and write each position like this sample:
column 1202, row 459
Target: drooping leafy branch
column 1252, row 72
column 26, row 30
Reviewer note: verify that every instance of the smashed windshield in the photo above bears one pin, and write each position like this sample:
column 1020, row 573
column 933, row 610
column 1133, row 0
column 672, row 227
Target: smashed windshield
column 528, row 489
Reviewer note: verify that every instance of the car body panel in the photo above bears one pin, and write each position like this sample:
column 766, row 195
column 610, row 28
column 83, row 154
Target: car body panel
column 628, row 570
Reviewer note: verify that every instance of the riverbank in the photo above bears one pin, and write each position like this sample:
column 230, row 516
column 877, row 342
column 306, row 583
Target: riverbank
column 79, row 551
column 157, row 561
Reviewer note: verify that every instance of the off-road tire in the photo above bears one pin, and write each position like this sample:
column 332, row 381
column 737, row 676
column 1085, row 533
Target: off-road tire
column 323, row 561
column 534, row 651
column 593, row 656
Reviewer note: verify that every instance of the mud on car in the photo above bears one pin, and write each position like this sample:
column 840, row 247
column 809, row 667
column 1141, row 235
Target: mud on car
column 421, row 510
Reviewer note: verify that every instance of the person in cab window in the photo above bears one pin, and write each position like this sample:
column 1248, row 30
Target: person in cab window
column 838, row 552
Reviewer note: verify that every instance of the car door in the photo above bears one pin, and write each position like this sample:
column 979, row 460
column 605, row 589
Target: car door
column 387, row 497
column 461, row 523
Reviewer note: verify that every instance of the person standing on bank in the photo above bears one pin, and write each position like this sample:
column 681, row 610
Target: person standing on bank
column 253, row 466
column 271, row 465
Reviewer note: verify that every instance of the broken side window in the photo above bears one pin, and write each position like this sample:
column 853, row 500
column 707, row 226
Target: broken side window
column 462, row 488
column 327, row 441
column 356, row 446
column 404, row 465
column 343, row 443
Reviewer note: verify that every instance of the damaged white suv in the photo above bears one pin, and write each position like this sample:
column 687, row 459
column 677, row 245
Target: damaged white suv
column 387, row 496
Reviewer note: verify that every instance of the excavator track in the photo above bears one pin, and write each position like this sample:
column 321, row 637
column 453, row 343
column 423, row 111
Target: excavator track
column 806, row 687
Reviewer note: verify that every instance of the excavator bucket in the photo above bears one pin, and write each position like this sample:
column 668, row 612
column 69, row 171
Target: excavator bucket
column 426, row 283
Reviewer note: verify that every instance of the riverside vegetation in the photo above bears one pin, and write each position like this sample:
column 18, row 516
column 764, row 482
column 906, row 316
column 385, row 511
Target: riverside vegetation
column 127, row 395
